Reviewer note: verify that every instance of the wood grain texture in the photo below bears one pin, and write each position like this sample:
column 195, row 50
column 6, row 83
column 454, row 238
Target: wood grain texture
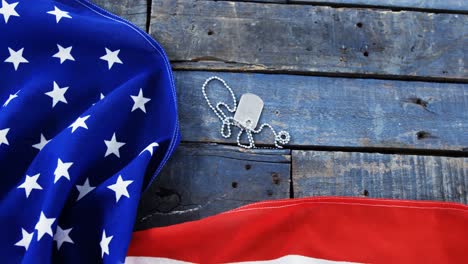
column 204, row 179
column 308, row 39
column 136, row 11
column 257, row 1
column 380, row 176
column 445, row 5
column 336, row 112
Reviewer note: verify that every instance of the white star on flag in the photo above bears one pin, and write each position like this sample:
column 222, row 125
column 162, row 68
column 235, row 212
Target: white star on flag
column 16, row 57
column 57, row 94
column 80, row 122
column 8, row 10
column 62, row 236
column 84, row 189
column 10, row 98
column 62, row 170
column 113, row 146
column 42, row 143
column 25, row 240
column 111, row 57
column 59, row 14
column 44, row 226
column 64, row 54
column 30, row 183
column 3, row 138
column 105, row 241
column 120, row 188
column 139, row 101
column 101, row 96
column 150, row 148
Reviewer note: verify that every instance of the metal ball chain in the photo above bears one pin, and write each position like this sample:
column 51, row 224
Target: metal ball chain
column 281, row 138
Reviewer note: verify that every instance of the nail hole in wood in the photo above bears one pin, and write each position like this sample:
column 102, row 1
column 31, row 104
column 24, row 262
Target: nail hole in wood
column 366, row 53
column 418, row 101
column 248, row 167
column 210, row 32
column 423, row 134
column 359, row 25
column 275, row 178
column 234, row 185
column 365, row 193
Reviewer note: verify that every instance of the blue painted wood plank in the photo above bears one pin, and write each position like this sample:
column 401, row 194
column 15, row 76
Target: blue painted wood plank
column 335, row 112
column 258, row 1
column 380, row 176
column 307, row 39
column 136, row 11
column 203, row 179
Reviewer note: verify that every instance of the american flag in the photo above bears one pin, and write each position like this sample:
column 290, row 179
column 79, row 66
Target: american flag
column 319, row 230
column 88, row 115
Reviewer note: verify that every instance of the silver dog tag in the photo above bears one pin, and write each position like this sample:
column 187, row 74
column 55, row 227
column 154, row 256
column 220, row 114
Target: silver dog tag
column 249, row 110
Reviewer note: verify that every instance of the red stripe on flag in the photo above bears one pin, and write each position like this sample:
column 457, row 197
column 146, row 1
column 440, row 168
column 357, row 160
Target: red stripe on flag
column 339, row 229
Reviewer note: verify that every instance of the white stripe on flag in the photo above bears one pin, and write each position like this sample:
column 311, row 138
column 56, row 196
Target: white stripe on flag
column 290, row 259
column 153, row 260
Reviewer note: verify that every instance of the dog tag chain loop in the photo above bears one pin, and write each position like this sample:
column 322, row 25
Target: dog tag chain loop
column 246, row 116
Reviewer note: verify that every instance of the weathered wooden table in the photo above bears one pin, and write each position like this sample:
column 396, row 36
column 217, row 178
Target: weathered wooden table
column 374, row 95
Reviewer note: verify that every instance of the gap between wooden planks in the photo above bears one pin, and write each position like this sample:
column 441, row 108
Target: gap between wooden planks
column 453, row 6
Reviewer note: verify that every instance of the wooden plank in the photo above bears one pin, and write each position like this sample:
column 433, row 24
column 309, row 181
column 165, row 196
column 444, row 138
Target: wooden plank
column 136, row 11
column 257, row 1
column 311, row 39
column 334, row 112
column 203, row 180
column 380, row 176
column 446, row 5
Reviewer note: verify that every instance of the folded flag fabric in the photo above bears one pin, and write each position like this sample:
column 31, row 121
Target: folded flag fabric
column 313, row 230
column 88, row 114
